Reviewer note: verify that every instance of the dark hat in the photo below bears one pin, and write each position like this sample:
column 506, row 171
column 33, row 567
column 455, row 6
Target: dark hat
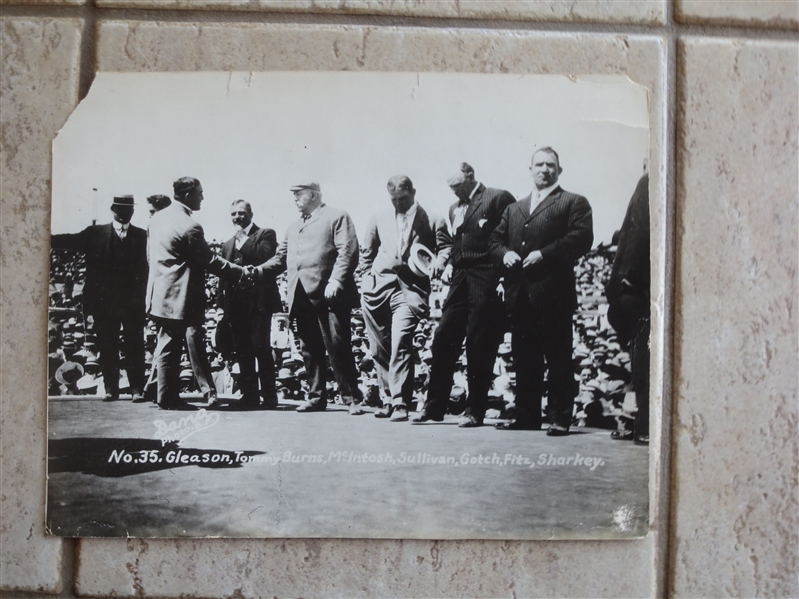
column 400, row 183
column 313, row 186
column 123, row 201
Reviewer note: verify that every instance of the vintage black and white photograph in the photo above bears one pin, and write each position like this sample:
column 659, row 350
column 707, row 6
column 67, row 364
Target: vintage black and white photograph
column 357, row 305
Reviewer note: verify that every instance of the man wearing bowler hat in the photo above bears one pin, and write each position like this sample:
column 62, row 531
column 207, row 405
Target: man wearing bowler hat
column 320, row 254
column 114, row 291
column 404, row 246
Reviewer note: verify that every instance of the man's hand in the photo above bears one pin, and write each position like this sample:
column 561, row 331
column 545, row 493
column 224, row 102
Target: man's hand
column 437, row 267
column 511, row 259
column 248, row 278
column 533, row 257
column 501, row 291
column 446, row 276
column 332, row 289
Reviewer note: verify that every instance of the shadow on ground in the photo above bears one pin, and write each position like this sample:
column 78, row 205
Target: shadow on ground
column 114, row 458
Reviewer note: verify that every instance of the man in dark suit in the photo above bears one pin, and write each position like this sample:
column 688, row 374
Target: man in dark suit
column 248, row 309
column 179, row 258
column 113, row 293
column 538, row 242
column 628, row 303
column 320, row 254
column 395, row 288
column 472, row 308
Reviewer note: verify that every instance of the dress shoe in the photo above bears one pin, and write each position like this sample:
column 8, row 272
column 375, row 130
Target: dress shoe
column 180, row 407
column 140, row 398
column 312, row 406
column 356, row 409
column 517, row 425
column 384, row 412
column 557, row 430
column 622, row 435
column 426, row 417
column 400, row 414
column 111, row 397
column 641, row 440
column 214, row 402
column 470, row 421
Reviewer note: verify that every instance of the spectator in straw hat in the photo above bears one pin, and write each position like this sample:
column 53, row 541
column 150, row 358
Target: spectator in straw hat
column 114, row 291
column 404, row 246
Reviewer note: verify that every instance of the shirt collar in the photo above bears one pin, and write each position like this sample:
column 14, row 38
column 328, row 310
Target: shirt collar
column 183, row 206
column 410, row 212
column 315, row 210
column 119, row 226
column 477, row 186
column 246, row 230
column 539, row 196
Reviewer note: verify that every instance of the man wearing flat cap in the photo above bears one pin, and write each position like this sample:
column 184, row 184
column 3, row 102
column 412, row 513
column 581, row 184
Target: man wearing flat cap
column 114, row 291
column 248, row 308
column 320, row 254
column 472, row 309
column 179, row 259
column 396, row 287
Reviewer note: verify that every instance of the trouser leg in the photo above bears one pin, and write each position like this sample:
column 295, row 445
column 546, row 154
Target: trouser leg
column 198, row 358
column 312, row 345
column 334, row 323
column 528, row 362
column 133, row 340
column 483, row 335
column 262, row 344
column 241, row 325
column 556, row 340
column 107, row 327
column 446, row 349
column 168, row 350
column 640, row 374
column 378, row 330
column 401, row 366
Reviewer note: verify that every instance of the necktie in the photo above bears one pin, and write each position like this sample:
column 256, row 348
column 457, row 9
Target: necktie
column 122, row 231
column 403, row 233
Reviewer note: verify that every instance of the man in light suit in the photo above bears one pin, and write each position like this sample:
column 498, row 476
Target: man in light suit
column 179, row 257
column 472, row 308
column 394, row 291
column 113, row 293
column 248, row 309
column 538, row 242
column 320, row 254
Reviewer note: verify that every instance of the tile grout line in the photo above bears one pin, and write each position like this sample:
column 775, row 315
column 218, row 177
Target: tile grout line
column 663, row 569
column 217, row 17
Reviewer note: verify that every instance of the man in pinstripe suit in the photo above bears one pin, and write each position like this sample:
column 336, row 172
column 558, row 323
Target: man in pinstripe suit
column 538, row 241
column 472, row 308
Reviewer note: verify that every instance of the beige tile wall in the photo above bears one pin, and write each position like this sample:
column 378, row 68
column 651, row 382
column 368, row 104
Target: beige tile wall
column 724, row 130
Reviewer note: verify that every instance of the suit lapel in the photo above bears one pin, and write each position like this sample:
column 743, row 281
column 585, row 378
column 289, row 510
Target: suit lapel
column 250, row 238
column 546, row 204
column 474, row 204
column 313, row 219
